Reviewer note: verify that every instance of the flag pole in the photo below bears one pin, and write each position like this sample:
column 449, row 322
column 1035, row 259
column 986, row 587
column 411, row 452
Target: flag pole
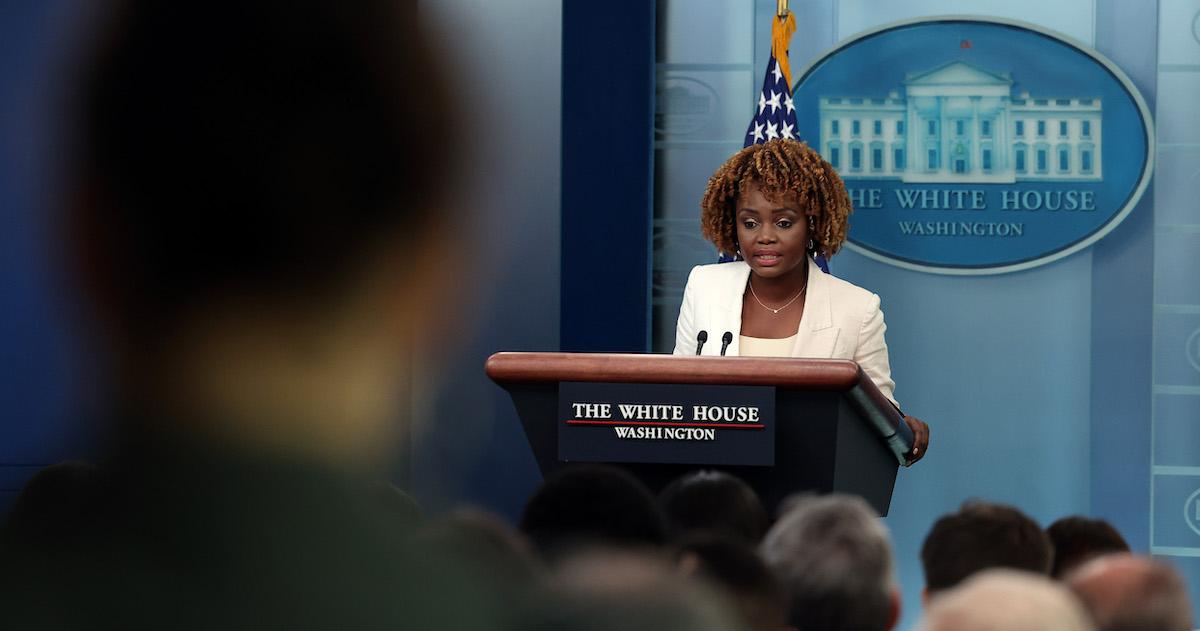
column 781, row 37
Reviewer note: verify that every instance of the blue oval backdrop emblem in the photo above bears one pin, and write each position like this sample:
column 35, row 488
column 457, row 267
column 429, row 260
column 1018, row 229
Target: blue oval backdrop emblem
column 976, row 146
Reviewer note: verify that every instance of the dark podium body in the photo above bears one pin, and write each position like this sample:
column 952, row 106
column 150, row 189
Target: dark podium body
column 835, row 432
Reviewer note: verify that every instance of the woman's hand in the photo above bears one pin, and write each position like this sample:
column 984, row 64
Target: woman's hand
column 920, row 438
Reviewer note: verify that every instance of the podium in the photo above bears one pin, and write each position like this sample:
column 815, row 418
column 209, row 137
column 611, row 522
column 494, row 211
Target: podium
column 833, row 430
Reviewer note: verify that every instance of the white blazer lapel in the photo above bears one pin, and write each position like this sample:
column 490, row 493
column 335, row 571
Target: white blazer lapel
column 817, row 337
column 731, row 309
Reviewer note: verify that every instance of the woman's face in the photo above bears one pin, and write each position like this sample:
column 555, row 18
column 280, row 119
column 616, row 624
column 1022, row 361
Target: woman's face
column 773, row 237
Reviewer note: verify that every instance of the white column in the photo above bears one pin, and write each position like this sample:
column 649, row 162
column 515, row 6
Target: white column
column 976, row 153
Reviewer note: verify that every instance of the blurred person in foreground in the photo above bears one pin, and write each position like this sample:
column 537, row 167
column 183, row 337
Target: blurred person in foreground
column 978, row 536
column 714, row 502
column 1006, row 600
column 582, row 506
column 258, row 227
column 1125, row 592
column 606, row 589
column 834, row 557
column 1077, row 539
column 734, row 567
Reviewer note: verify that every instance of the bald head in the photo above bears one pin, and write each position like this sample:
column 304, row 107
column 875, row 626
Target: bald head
column 1006, row 600
column 1126, row 592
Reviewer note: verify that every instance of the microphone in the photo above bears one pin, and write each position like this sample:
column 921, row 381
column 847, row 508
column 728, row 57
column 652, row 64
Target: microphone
column 725, row 340
column 701, row 338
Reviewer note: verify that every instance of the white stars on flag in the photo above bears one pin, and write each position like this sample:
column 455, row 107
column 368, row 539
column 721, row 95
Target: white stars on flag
column 773, row 102
column 757, row 133
column 776, row 111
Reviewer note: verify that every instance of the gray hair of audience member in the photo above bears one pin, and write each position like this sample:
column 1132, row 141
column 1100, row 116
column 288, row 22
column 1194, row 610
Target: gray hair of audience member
column 834, row 558
column 1126, row 592
column 1006, row 600
column 600, row 589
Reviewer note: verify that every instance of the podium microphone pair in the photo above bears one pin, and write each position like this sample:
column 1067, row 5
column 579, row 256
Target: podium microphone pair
column 702, row 337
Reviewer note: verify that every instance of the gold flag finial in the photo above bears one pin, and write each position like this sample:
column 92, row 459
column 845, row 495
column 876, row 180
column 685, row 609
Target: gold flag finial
column 781, row 8
column 781, row 37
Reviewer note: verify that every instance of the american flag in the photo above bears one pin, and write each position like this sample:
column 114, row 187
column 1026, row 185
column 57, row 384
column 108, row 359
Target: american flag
column 775, row 112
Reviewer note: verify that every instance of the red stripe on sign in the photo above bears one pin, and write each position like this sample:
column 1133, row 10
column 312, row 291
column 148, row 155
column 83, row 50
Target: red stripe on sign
column 639, row 423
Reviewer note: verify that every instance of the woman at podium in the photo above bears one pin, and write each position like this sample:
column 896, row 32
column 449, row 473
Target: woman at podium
column 776, row 206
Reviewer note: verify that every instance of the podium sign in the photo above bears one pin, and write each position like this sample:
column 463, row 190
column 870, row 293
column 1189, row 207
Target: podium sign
column 666, row 423
column 783, row 425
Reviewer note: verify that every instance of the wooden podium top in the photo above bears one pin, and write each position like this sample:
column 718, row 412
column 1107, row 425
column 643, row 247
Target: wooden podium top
column 824, row 374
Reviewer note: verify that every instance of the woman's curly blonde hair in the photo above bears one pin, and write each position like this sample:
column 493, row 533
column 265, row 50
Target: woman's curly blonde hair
column 782, row 170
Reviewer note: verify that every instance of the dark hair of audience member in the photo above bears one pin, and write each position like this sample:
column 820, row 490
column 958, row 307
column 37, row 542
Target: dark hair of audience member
column 982, row 535
column 733, row 566
column 1077, row 539
column 592, row 504
column 714, row 501
column 486, row 546
column 266, row 147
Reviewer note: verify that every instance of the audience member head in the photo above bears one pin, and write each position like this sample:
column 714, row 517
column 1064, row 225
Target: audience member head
column 1124, row 592
column 982, row 535
column 834, row 558
column 1006, row 600
column 714, row 501
column 258, row 197
column 485, row 547
column 592, row 504
column 1078, row 539
column 601, row 590
column 735, row 567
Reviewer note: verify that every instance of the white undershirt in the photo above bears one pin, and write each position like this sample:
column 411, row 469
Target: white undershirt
column 765, row 347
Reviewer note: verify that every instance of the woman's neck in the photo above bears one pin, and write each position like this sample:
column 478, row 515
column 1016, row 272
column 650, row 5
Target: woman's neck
column 780, row 288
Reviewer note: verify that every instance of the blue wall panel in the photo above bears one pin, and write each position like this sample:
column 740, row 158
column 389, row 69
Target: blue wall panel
column 468, row 444
column 607, row 119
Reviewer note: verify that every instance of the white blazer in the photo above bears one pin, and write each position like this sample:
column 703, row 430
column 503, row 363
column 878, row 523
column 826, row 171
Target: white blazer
column 840, row 320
